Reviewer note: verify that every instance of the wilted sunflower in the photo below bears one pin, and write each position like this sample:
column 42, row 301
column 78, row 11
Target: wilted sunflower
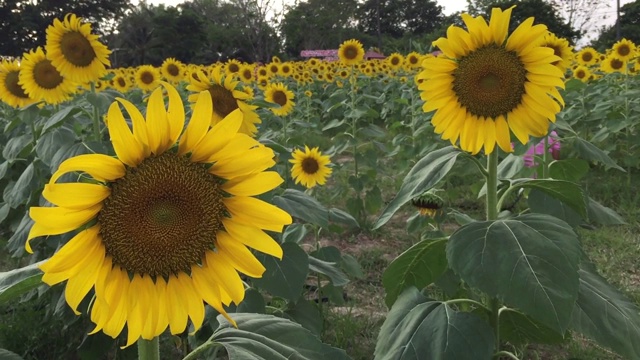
column 147, row 78
column 10, row 90
column 561, row 48
column 278, row 93
column 587, row 56
column 227, row 96
column 428, row 204
column 487, row 83
column 165, row 225
column 624, row 50
column 75, row 51
column 42, row 81
column 351, row 52
column 310, row 167
column 173, row 70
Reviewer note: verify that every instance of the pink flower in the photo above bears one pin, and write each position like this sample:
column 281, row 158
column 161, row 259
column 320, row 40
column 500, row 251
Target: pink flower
column 538, row 149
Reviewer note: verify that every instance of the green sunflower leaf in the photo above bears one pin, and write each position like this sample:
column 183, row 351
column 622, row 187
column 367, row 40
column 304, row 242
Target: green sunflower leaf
column 8, row 355
column 420, row 328
column 419, row 266
column 16, row 282
column 266, row 337
column 284, row 278
column 569, row 193
column 423, row 176
column 530, row 262
column 303, row 207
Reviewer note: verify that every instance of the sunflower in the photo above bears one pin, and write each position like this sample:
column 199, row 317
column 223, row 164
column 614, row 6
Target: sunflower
column 561, row 49
column 412, row 60
column 165, row 225
column 613, row 64
column 173, row 70
column 147, row 78
column 273, row 69
column 395, row 61
column 310, row 167
column 42, row 81
column 285, row 69
column 121, row 82
column 232, row 67
column 624, row 50
column 487, row 83
column 278, row 93
column 587, row 56
column 75, row 51
column 246, row 74
column 429, row 203
column 582, row 73
column 351, row 52
column 10, row 90
column 227, row 96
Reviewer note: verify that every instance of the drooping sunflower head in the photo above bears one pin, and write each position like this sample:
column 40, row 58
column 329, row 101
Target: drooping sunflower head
column 310, row 167
column 429, row 203
column 587, row 56
column 173, row 70
column 42, row 81
column 351, row 52
column 488, row 83
column 10, row 90
column 164, row 226
column 147, row 78
column 226, row 96
column 75, row 51
column 278, row 93
column 624, row 50
column 561, row 48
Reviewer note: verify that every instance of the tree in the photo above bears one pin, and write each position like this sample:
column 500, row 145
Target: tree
column 319, row 24
column 581, row 14
column 397, row 18
column 24, row 23
column 629, row 27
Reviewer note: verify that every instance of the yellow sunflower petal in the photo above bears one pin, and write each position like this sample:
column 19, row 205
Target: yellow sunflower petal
column 502, row 134
column 57, row 220
column 199, row 124
column 253, row 237
column 175, row 113
column 218, row 137
column 244, row 163
column 208, row 290
column 238, row 255
column 157, row 123
column 137, row 317
column 252, row 211
column 194, row 305
column 176, row 309
column 149, row 328
column 254, row 184
column 100, row 167
column 499, row 24
column 126, row 146
column 228, row 278
column 79, row 285
column 139, row 125
column 70, row 259
column 163, row 318
column 117, row 289
column 76, row 196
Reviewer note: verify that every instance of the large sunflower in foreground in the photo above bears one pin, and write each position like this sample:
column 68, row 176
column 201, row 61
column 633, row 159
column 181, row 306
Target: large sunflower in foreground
column 351, row 52
column 10, row 91
column 310, row 167
column 75, row 51
column 278, row 93
column 488, row 83
column 42, row 81
column 166, row 224
column 227, row 97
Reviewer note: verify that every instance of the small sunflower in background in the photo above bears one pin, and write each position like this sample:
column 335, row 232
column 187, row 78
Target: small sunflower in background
column 226, row 96
column 412, row 60
column 166, row 224
column 561, row 48
column 247, row 74
column 75, row 51
column 395, row 61
column 310, row 167
column 612, row 64
column 587, row 56
column 624, row 50
column 121, row 82
column 172, row 70
column 42, row 81
column 232, row 67
column 489, row 83
column 429, row 203
column 351, row 52
column 582, row 73
column 308, row 93
column 278, row 93
column 147, row 78
column 10, row 90
column 273, row 69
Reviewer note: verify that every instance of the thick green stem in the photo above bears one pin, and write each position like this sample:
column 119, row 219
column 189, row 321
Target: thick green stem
column 202, row 348
column 149, row 349
column 492, row 214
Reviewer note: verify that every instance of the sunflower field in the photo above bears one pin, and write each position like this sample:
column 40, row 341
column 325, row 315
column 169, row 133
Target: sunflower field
column 475, row 202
